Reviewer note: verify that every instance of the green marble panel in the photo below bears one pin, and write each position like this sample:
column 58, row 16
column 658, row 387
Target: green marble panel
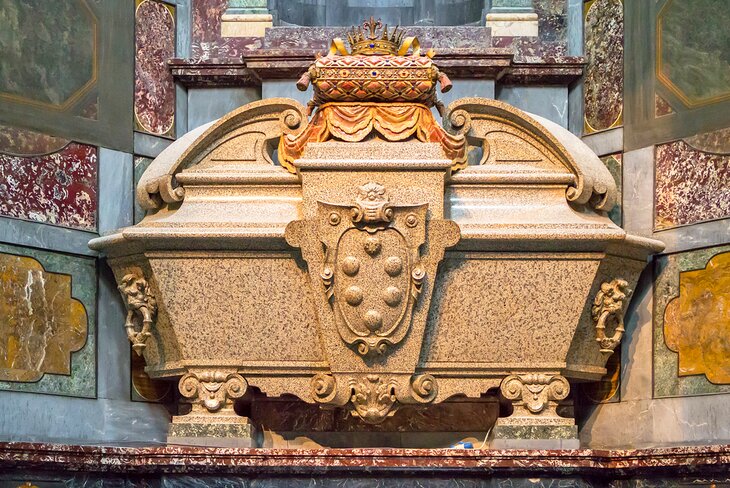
column 677, row 54
column 693, row 42
column 48, row 51
column 667, row 382
column 81, row 382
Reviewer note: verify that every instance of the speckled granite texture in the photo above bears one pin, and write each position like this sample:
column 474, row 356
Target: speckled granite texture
column 603, row 92
column 59, row 187
column 667, row 383
column 691, row 185
column 154, row 89
column 81, row 381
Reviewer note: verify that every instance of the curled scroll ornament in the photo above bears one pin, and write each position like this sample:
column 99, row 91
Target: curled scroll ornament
column 475, row 118
column 267, row 119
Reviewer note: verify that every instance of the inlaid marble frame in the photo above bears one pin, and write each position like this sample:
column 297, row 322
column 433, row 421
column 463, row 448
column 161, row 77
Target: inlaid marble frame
column 81, row 379
column 672, row 378
column 641, row 85
column 111, row 31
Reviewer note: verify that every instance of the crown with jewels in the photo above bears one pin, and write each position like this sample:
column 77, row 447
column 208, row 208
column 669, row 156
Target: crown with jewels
column 372, row 39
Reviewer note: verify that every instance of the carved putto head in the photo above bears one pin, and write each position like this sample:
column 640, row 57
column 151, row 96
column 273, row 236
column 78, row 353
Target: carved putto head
column 371, row 39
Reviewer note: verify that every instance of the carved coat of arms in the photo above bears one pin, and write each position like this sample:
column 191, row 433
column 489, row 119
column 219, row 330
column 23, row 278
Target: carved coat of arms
column 372, row 271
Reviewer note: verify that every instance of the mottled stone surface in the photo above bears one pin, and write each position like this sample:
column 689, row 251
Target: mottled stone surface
column 21, row 142
column 668, row 269
column 370, row 467
column 717, row 141
column 49, row 54
column 604, row 36
column 614, row 163
column 696, row 323
column 207, row 41
column 154, row 89
column 43, row 295
column 662, row 107
column 691, row 54
column 59, row 188
column 690, row 186
column 42, row 324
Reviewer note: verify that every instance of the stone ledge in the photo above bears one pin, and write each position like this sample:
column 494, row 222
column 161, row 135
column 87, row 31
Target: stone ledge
column 513, row 463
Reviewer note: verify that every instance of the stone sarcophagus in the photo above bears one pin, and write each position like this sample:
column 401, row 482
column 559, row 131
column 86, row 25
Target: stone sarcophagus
column 367, row 256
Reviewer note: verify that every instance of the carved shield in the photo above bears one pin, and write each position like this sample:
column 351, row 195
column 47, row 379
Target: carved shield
column 372, row 269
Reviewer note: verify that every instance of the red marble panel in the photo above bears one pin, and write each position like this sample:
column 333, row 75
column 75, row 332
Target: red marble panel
column 154, row 88
column 21, row 142
column 604, row 46
column 59, row 188
column 691, row 185
column 207, row 41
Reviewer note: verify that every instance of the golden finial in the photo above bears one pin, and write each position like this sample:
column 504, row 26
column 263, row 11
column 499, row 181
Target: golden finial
column 367, row 40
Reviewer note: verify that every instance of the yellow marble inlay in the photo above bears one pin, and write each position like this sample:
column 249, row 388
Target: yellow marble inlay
column 41, row 323
column 697, row 322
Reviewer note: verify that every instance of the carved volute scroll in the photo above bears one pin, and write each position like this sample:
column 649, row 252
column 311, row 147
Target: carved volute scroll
column 247, row 135
column 608, row 310
column 141, row 309
column 212, row 390
column 509, row 136
column 535, row 394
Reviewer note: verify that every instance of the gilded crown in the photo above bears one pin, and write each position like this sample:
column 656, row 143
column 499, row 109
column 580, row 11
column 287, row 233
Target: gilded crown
column 371, row 38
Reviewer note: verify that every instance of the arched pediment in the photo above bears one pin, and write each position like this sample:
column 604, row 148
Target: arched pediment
column 245, row 136
column 513, row 141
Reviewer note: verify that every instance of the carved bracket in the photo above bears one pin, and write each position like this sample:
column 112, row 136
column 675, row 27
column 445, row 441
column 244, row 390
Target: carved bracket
column 373, row 397
column 535, row 393
column 608, row 307
column 212, row 390
column 141, row 310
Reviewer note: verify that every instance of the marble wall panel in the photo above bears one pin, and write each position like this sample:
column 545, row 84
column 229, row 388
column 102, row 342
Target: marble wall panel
column 154, row 88
column 691, row 185
column 603, row 89
column 678, row 65
column 694, row 67
column 53, row 64
column 690, row 296
column 48, row 179
column 207, row 41
column 65, row 69
column 49, row 311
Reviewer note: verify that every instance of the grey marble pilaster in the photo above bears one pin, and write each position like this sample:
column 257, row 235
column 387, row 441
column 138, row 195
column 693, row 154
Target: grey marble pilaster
column 550, row 102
